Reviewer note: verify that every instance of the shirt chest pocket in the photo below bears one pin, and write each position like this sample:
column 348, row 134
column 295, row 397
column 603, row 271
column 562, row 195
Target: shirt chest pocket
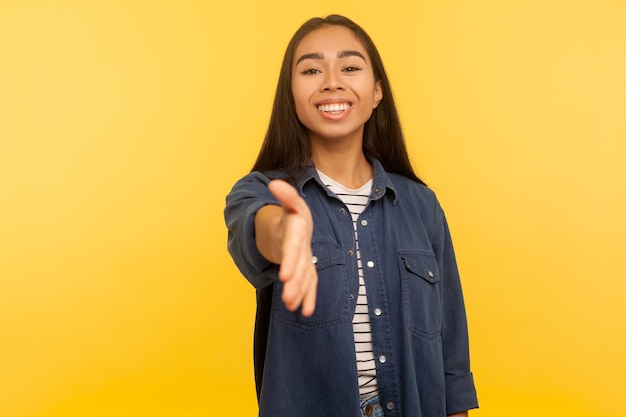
column 421, row 293
column 332, row 304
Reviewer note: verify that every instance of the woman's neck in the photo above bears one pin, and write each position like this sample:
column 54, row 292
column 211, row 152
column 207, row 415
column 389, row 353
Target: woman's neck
column 350, row 169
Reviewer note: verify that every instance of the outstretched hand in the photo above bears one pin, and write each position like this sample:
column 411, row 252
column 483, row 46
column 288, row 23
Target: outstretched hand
column 295, row 230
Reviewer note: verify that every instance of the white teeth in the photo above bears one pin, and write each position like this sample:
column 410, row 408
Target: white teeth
column 333, row 107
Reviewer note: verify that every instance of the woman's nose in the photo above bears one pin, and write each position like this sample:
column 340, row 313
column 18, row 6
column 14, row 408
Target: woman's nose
column 332, row 81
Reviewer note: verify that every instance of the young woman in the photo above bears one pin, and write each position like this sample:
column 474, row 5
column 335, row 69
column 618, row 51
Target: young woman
column 359, row 303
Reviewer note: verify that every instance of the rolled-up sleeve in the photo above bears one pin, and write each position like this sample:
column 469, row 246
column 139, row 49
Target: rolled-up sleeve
column 246, row 198
column 460, row 389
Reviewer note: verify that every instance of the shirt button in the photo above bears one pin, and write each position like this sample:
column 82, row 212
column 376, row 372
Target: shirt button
column 352, row 296
column 430, row 274
column 350, row 252
column 342, row 210
column 382, row 359
column 377, row 191
column 370, row 264
column 390, row 405
column 378, row 312
column 363, row 223
column 315, row 259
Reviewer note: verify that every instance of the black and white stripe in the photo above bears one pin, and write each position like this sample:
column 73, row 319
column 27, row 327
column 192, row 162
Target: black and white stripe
column 356, row 201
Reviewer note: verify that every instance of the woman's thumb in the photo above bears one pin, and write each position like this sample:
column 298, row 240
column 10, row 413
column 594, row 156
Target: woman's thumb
column 285, row 194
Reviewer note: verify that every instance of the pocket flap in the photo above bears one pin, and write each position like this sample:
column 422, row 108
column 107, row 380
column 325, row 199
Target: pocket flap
column 326, row 253
column 422, row 265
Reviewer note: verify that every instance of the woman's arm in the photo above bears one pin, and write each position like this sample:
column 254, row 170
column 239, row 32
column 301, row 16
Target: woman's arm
column 460, row 389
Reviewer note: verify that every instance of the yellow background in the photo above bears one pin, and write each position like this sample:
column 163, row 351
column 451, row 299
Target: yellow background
column 123, row 124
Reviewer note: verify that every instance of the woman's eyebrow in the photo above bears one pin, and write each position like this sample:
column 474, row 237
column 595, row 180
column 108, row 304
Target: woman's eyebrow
column 340, row 54
column 314, row 55
column 345, row 54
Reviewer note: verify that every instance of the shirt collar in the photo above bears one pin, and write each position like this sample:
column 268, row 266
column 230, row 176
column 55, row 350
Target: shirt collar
column 380, row 186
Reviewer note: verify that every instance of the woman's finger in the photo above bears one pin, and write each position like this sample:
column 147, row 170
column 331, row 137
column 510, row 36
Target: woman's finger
column 308, row 303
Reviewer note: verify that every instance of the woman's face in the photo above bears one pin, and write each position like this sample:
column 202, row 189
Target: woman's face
column 333, row 84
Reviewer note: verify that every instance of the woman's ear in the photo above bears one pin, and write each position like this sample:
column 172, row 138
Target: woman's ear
column 378, row 94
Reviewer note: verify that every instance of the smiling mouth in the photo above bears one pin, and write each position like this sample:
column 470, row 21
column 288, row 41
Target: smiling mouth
column 334, row 108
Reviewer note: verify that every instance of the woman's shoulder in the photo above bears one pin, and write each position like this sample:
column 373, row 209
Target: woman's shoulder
column 260, row 177
column 412, row 189
column 417, row 199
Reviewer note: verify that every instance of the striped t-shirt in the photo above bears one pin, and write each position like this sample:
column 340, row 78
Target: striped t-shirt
column 356, row 201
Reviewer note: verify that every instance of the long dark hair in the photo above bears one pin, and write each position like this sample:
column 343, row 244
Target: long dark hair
column 286, row 146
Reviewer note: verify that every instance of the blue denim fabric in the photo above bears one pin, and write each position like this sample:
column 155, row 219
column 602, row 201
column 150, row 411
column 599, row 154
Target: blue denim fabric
column 371, row 407
column 305, row 366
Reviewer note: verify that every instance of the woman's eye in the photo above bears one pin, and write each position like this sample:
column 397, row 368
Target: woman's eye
column 351, row 69
column 311, row 71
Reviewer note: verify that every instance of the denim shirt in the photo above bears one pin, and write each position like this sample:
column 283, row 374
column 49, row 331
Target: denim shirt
column 305, row 366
